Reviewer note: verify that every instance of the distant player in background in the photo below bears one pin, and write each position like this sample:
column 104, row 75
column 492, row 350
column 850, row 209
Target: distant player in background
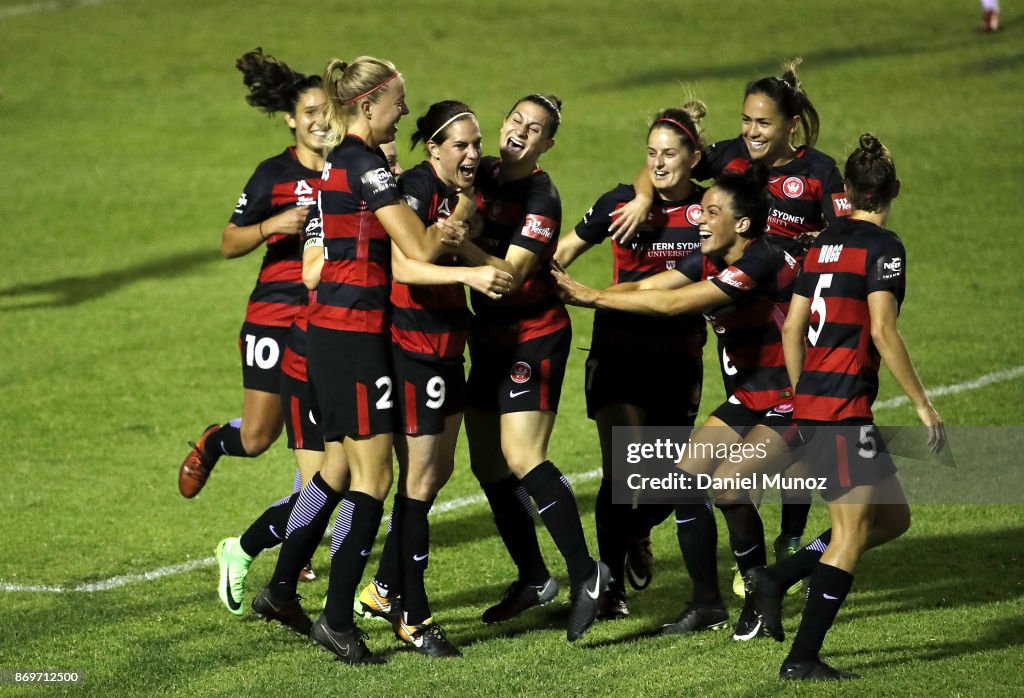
column 519, row 347
column 842, row 323
column 430, row 322
column 990, row 15
column 643, row 371
column 272, row 210
column 779, row 128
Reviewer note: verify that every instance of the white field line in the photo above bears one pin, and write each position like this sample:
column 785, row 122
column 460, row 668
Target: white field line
column 31, row 8
column 459, row 503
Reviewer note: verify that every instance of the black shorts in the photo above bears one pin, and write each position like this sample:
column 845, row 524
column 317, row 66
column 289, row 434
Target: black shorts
column 353, row 382
column 847, row 453
column 668, row 390
column 262, row 347
column 523, row 377
column 427, row 390
column 742, row 419
column 298, row 407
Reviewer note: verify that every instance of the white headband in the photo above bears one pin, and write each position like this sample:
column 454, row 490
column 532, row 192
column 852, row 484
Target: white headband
column 445, row 125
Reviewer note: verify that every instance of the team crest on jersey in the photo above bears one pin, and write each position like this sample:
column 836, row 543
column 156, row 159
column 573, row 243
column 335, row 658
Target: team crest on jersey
column 670, row 264
column 243, row 201
column 784, row 408
column 793, row 187
column 693, row 212
column 304, row 192
column 521, row 372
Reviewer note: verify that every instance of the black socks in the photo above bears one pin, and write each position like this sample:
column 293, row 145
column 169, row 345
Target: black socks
column 557, row 508
column 513, row 515
column 351, row 542
column 825, row 594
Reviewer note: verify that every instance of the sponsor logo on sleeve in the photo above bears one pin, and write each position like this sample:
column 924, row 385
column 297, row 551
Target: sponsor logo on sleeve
column 243, row 201
column 693, row 212
column 736, row 278
column 539, row 227
column 521, row 372
column 587, row 215
column 793, row 187
column 841, row 204
column 377, row 181
column 890, row 268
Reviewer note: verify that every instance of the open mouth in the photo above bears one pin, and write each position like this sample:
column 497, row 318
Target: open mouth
column 467, row 171
column 757, row 146
column 514, row 145
column 704, row 234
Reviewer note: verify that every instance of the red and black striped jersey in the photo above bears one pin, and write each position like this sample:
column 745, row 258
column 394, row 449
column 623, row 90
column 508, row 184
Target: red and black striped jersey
column 526, row 213
column 845, row 264
column 356, row 276
column 807, row 192
column 278, row 183
column 293, row 362
column 429, row 320
column 749, row 327
column 668, row 237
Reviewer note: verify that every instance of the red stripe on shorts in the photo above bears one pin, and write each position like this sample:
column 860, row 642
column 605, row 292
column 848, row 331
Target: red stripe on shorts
column 545, row 373
column 842, row 462
column 297, row 422
column 362, row 410
column 411, row 427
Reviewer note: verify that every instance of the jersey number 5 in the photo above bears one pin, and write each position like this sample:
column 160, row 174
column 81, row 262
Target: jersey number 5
column 818, row 308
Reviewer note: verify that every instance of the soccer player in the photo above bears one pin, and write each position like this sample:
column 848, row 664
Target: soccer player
column 429, row 326
column 779, row 128
column 842, row 322
column 519, row 346
column 271, row 211
column 742, row 282
column 362, row 210
column 643, row 371
column 990, row 15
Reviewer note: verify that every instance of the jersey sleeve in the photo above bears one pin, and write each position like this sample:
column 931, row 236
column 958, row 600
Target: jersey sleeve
column 692, row 266
column 542, row 219
column 593, row 227
column 418, row 192
column 751, row 271
column 886, row 267
column 254, row 203
column 834, row 203
column 713, row 159
column 375, row 185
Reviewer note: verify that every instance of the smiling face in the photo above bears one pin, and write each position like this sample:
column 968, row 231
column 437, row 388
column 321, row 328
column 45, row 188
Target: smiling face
column 669, row 163
column 455, row 159
column 385, row 113
column 524, row 135
column 309, row 121
column 767, row 131
column 719, row 228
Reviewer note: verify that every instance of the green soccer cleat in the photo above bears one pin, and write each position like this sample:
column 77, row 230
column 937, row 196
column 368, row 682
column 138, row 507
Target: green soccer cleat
column 737, row 582
column 234, row 567
column 784, row 547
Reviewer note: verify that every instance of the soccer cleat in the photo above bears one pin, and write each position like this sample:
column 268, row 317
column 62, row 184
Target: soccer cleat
column 426, row 638
column 990, row 22
column 347, row 645
column 766, row 597
column 373, row 605
column 813, row 670
column 737, row 582
column 750, row 624
column 696, row 619
column 586, row 601
column 639, row 562
column 784, row 547
column 287, row 613
column 234, row 566
column 306, row 574
column 196, row 467
column 613, row 605
column 518, row 597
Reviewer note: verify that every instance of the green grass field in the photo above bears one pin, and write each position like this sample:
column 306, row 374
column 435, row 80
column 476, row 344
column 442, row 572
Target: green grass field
column 125, row 144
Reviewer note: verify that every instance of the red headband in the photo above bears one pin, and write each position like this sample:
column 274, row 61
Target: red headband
column 685, row 130
column 372, row 89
